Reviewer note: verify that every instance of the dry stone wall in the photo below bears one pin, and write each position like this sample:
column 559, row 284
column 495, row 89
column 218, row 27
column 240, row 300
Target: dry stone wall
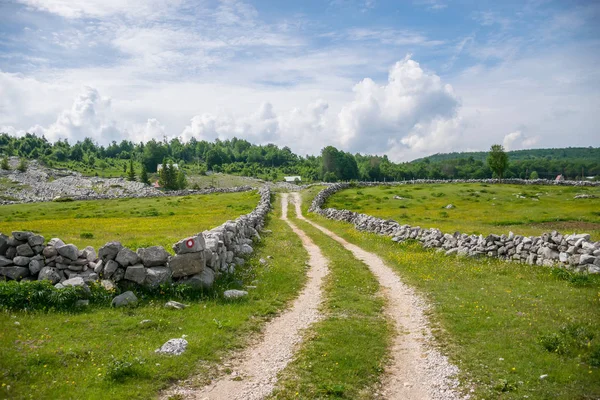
column 575, row 251
column 198, row 259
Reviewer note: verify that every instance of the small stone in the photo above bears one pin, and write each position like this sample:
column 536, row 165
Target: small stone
column 174, row 347
column 77, row 282
column 49, row 252
column 82, row 303
column 35, row 266
column 156, row 276
column 15, row 273
column 234, row 294
column 5, row 262
column 544, row 376
column 175, row 305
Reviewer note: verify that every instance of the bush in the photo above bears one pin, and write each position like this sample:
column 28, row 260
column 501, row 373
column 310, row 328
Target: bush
column 5, row 164
column 86, row 235
column 37, row 295
column 22, row 167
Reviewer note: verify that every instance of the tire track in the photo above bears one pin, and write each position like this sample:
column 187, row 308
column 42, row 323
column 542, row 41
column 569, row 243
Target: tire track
column 255, row 370
column 418, row 370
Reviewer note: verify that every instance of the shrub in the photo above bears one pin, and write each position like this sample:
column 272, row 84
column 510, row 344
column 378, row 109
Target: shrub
column 86, row 235
column 118, row 370
column 5, row 164
column 39, row 295
column 22, row 167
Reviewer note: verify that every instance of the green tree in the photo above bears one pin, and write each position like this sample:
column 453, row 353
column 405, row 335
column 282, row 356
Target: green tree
column 181, row 180
column 144, row 175
column 534, row 175
column 22, row 167
column 5, row 164
column 131, row 172
column 497, row 160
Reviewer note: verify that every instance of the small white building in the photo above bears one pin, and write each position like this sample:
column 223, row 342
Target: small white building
column 160, row 166
column 292, row 179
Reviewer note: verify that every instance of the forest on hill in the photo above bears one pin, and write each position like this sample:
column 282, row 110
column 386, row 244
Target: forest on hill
column 240, row 157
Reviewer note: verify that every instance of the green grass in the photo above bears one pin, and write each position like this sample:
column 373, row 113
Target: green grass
column 106, row 353
column 133, row 222
column 344, row 354
column 480, row 208
column 219, row 180
column 503, row 324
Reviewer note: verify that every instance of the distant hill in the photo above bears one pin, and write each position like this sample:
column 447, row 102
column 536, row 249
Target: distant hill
column 586, row 154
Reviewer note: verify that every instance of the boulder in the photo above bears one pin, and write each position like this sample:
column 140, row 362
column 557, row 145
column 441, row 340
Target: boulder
column 35, row 240
column 21, row 235
column 235, row 294
column 118, row 275
column 56, row 242
column 5, row 262
column 136, row 273
column 203, row 280
column 586, row 259
column 109, row 251
column 192, row 244
column 49, row 252
column 110, row 268
column 21, row 261
column 49, row 274
column 14, row 272
column 25, row 250
column 11, row 252
column 187, row 264
column 154, row 256
column 98, row 267
column 125, row 299
column 246, row 249
column 35, row 266
column 127, row 257
column 69, row 251
column 156, row 276
column 174, row 347
column 89, row 254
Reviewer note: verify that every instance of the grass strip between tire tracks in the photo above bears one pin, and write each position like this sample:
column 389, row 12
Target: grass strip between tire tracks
column 343, row 355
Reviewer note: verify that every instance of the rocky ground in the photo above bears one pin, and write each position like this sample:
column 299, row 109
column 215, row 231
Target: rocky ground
column 40, row 183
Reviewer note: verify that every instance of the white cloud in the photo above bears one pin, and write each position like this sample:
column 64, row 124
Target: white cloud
column 101, row 8
column 415, row 110
column 518, row 140
column 89, row 116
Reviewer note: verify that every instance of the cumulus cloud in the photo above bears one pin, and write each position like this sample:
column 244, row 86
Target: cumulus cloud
column 414, row 110
column 297, row 128
column 88, row 116
column 153, row 129
column 517, row 140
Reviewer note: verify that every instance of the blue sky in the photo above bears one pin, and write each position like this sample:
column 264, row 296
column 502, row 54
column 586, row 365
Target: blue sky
column 405, row 78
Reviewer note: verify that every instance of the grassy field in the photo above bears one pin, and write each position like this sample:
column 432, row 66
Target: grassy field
column 108, row 353
column 505, row 325
column 133, row 222
column 479, row 208
column 345, row 353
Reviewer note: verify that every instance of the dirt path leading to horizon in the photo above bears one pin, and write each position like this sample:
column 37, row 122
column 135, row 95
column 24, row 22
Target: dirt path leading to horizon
column 417, row 370
column 255, row 369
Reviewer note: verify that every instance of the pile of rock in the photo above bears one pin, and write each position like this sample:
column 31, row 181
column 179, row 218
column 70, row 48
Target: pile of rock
column 575, row 251
column 197, row 261
column 39, row 183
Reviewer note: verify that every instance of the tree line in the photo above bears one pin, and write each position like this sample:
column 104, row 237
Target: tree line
column 240, row 157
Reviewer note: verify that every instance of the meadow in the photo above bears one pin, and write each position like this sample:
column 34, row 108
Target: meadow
column 479, row 208
column 515, row 331
column 134, row 222
column 102, row 353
